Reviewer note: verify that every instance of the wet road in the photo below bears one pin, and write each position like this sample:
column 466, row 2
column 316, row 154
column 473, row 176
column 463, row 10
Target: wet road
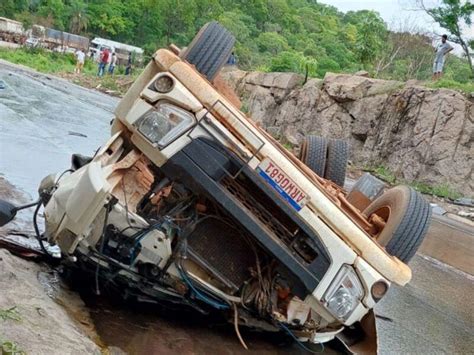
column 40, row 120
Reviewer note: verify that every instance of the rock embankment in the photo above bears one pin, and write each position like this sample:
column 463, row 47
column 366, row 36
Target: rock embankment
column 32, row 317
column 417, row 133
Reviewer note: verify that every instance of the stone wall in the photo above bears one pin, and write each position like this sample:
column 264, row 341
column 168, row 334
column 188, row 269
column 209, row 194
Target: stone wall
column 418, row 133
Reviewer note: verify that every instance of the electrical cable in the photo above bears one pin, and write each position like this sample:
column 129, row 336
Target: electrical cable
column 62, row 174
column 300, row 344
column 236, row 327
column 197, row 293
column 101, row 250
column 37, row 232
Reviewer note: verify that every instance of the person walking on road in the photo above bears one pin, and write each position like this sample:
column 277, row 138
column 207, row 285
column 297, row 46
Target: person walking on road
column 80, row 58
column 440, row 52
column 112, row 64
column 128, row 69
column 104, row 58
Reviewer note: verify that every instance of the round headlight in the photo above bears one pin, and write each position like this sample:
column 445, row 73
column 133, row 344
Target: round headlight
column 163, row 84
column 342, row 303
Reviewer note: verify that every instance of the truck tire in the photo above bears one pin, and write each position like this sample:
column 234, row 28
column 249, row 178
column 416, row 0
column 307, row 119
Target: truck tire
column 314, row 153
column 407, row 217
column 336, row 164
column 210, row 49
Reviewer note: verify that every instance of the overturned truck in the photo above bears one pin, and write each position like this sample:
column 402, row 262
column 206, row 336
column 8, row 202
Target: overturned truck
column 192, row 203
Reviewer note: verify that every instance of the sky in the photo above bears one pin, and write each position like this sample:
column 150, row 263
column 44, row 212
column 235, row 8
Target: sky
column 397, row 14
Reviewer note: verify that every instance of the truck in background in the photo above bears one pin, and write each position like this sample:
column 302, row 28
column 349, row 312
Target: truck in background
column 11, row 31
column 56, row 40
column 121, row 50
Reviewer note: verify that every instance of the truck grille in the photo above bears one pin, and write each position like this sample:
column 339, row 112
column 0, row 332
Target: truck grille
column 221, row 249
column 262, row 208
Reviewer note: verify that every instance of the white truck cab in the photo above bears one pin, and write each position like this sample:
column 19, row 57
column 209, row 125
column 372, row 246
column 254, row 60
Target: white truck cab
column 190, row 202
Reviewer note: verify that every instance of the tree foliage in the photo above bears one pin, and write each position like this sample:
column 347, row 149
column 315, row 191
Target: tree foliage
column 304, row 36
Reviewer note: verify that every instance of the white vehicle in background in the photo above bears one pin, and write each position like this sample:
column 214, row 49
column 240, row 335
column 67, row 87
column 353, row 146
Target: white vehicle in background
column 121, row 50
column 32, row 42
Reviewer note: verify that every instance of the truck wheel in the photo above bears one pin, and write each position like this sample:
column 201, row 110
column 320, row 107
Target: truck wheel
column 314, row 153
column 407, row 216
column 210, row 49
column 338, row 152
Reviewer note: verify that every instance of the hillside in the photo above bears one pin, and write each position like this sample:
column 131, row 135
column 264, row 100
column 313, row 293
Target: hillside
column 272, row 35
column 413, row 133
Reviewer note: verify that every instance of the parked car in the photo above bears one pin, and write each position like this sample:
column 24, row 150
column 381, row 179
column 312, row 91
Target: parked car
column 191, row 202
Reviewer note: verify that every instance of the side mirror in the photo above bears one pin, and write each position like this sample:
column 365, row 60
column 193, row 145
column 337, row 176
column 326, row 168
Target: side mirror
column 7, row 212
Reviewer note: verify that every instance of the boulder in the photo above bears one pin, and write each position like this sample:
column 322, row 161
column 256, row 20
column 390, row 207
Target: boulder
column 418, row 133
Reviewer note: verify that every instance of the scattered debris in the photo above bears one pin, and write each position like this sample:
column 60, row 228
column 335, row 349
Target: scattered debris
column 437, row 209
column 464, row 201
column 72, row 133
column 466, row 214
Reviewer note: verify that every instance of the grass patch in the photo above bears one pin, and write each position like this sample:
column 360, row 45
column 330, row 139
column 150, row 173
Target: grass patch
column 63, row 65
column 44, row 61
column 10, row 314
column 382, row 173
column 465, row 88
column 440, row 190
column 9, row 347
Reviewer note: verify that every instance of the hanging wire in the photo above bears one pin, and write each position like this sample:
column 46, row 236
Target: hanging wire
column 299, row 342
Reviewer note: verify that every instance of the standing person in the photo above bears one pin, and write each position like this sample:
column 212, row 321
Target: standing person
column 112, row 64
column 440, row 52
column 128, row 69
column 232, row 60
column 80, row 58
column 104, row 58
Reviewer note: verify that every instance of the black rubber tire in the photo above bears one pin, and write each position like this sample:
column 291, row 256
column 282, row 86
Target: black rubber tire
column 314, row 153
column 407, row 223
column 210, row 49
column 336, row 163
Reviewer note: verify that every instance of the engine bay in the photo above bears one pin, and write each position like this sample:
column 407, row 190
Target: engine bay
column 160, row 240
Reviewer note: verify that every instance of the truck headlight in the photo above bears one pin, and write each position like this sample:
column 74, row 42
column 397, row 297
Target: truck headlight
column 164, row 123
column 344, row 294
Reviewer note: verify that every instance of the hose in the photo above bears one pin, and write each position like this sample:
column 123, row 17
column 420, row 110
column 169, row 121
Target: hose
column 37, row 232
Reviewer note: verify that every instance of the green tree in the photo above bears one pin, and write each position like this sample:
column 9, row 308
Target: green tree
column 371, row 34
column 451, row 15
column 78, row 19
column 272, row 42
column 55, row 10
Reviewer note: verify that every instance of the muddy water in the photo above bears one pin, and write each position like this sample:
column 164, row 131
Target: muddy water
column 145, row 329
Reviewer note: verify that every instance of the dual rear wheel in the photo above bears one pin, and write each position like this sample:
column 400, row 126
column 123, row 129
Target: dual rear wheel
column 405, row 213
column 326, row 157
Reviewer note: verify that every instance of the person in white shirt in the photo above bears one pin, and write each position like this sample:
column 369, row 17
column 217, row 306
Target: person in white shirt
column 80, row 58
column 441, row 50
column 112, row 64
